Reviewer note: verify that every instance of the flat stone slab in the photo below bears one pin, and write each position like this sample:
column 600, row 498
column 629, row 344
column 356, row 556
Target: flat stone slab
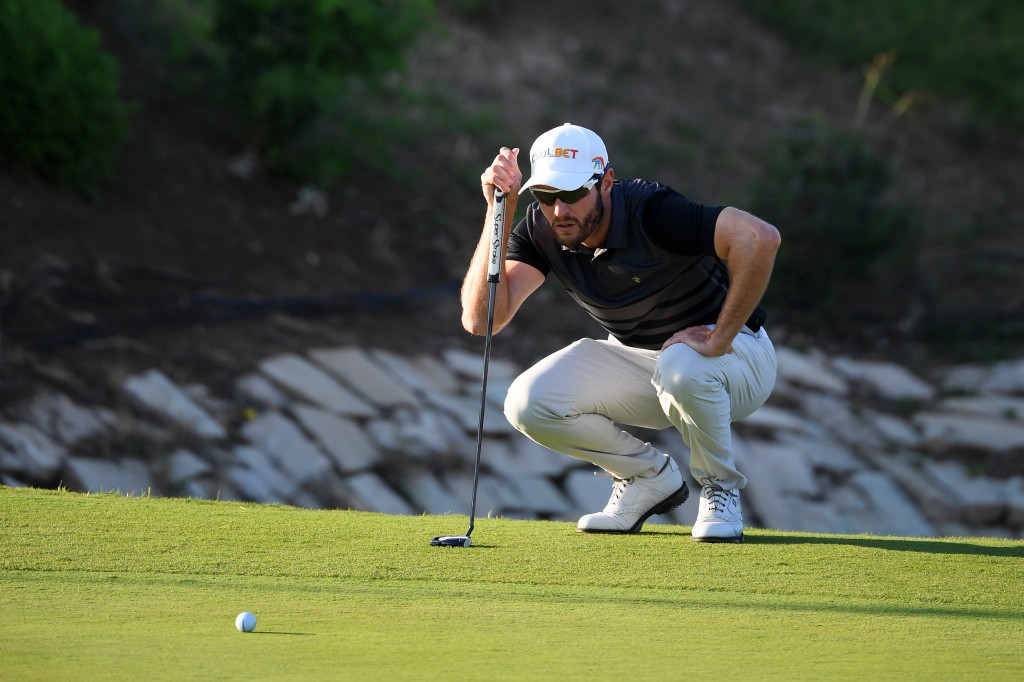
column 288, row 448
column 430, row 496
column 775, row 418
column 1005, row 377
column 520, row 456
column 307, row 381
column 587, row 491
column 496, row 456
column 893, row 512
column 761, row 497
column 946, row 431
column 429, row 431
column 774, row 512
column 259, row 390
column 283, row 483
column 157, row 394
column 441, row 378
column 1015, row 501
column 199, row 489
column 422, row 435
column 306, row 500
column 471, row 365
column 539, row 495
column 184, row 464
column 964, row 378
column 779, row 467
column 28, row 451
column 493, row 496
column 888, row 380
column 373, row 494
column 412, row 373
column 466, row 410
column 833, row 416
column 812, row 516
column 937, row 501
column 355, row 367
column 534, row 459
column 804, row 370
column 65, row 420
column 126, row 476
column 342, row 439
column 995, row 406
column 982, row 500
column 892, row 430
column 823, row 453
column 252, row 486
column 497, row 390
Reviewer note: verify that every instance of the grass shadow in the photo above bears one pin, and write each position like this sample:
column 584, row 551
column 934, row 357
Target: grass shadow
column 927, row 545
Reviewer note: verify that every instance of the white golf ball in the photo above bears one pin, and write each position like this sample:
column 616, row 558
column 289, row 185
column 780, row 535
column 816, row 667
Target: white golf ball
column 245, row 622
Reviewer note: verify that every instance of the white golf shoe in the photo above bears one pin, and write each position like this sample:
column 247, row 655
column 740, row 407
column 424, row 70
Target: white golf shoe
column 635, row 499
column 720, row 516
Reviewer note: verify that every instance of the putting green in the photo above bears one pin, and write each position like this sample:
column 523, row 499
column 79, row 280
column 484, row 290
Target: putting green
column 108, row 587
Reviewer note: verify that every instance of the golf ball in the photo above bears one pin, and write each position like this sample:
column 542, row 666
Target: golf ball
column 245, row 622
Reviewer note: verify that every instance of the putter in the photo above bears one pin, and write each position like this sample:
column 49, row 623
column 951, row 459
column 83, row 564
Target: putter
column 497, row 232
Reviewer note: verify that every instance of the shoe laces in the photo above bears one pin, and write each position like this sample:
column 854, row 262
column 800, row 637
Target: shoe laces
column 618, row 484
column 718, row 498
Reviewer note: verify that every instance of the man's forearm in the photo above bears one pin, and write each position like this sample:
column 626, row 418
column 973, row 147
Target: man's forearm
column 746, row 289
column 475, row 287
column 750, row 259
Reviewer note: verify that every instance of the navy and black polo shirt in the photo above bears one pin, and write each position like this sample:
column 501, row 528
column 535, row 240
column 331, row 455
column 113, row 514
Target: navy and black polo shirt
column 657, row 272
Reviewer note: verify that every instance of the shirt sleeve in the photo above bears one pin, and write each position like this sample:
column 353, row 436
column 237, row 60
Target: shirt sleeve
column 521, row 248
column 679, row 225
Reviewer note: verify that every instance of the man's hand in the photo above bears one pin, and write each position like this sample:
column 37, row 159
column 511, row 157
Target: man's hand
column 701, row 339
column 503, row 173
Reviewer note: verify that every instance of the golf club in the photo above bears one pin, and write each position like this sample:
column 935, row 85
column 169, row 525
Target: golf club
column 493, row 263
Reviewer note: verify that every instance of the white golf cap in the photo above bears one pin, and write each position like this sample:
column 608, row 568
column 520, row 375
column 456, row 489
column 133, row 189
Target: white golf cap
column 566, row 157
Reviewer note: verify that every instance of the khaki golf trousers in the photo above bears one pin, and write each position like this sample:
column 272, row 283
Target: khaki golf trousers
column 574, row 400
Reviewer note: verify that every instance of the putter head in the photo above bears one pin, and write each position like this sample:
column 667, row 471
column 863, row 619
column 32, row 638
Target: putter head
column 451, row 541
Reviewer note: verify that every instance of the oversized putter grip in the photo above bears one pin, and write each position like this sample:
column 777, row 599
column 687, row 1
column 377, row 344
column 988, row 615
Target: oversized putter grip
column 497, row 232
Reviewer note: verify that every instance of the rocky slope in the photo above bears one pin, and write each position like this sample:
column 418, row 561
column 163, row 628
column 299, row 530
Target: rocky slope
column 843, row 446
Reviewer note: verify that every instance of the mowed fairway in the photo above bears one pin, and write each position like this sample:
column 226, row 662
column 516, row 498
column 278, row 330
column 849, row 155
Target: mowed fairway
column 108, row 587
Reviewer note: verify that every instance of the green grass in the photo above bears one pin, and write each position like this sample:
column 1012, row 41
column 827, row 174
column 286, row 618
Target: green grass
column 108, row 587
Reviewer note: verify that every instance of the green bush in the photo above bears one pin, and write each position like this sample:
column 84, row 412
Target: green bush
column 60, row 115
column 846, row 251
column 290, row 64
column 955, row 49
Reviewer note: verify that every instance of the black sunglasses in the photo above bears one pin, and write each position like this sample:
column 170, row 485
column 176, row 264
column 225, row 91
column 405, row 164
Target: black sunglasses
column 567, row 196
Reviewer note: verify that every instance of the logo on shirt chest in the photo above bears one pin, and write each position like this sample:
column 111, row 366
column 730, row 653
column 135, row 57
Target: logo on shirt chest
column 620, row 271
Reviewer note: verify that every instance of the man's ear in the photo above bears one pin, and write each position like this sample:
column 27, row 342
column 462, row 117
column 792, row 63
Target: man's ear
column 607, row 180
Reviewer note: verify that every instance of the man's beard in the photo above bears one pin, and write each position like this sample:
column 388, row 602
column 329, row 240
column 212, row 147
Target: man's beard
column 587, row 226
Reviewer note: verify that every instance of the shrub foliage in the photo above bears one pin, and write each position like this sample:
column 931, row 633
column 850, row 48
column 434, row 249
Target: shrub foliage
column 290, row 64
column 955, row 49
column 843, row 243
column 61, row 117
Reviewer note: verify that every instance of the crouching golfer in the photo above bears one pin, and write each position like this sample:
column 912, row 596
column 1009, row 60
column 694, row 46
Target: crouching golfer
column 677, row 286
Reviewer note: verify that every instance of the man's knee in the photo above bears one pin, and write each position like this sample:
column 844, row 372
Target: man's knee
column 684, row 374
column 528, row 406
column 517, row 403
column 521, row 407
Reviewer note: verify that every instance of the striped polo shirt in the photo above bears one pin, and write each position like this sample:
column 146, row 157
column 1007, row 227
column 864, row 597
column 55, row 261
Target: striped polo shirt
column 656, row 273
